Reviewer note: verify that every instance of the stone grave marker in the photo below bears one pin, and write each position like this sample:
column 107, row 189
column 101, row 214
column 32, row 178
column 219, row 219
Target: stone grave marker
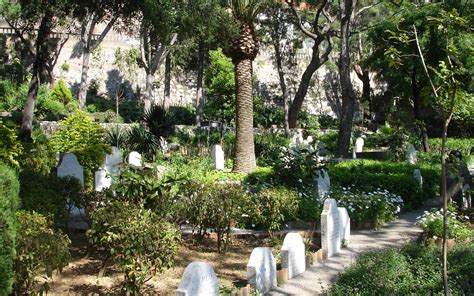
column 198, row 279
column 418, row 177
column 135, row 159
column 359, row 145
column 217, row 154
column 330, row 228
column 321, row 150
column 345, row 225
column 70, row 167
column 411, row 154
column 293, row 254
column 323, row 183
column 261, row 270
column 113, row 160
column 102, row 179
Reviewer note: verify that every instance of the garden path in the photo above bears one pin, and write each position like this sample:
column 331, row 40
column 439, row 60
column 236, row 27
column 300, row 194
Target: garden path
column 319, row 277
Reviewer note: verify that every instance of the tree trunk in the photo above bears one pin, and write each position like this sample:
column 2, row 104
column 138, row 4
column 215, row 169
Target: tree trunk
column 444, row 197
column 150, row 79
column 199, row 90
column 281, row 75
column 38, row 66
column 166, row 97
column 417, row 101
column 303, row 86
column 81, row 96
column 244, row 142
column 347, row 91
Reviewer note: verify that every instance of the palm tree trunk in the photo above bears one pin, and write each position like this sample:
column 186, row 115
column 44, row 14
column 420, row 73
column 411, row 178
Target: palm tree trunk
column 244, row 160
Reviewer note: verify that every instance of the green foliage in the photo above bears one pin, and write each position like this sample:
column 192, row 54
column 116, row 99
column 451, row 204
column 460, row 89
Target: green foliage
column 268, row 147
column 10, row 146
column 78, row 134
column 308, row 121
column 463, row 145
column 38, row 157
column 220, row 88
column 415, row 269
column 140, row 139
column 13, row 95
column 328, row 122
column 395, row 177
column 329, row 141
column 210, row 205
column 39, row 248
column 138, row 240
column 9, row 203
column 432, row 224
column 266, row 115
column 61, row 93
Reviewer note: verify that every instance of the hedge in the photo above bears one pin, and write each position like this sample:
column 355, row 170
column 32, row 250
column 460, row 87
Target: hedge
column 9, row 202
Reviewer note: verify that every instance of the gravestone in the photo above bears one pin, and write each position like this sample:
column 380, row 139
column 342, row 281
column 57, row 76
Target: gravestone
column 344, row 225
column 113, row 160
column 354, row 154
column 70, row 167
column 359, row 145
column 411, row 154
column 102, row 180
column 466, row 197
column 198, row 279
column 418, row 177
column 323, row 183
column 261, row 270
column 293, row 254
column 321, row 150
column 217, row 155
column 330, row 228
column 135, row 159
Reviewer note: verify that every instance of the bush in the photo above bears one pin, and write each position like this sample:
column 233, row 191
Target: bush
column 463, row 145
column 10, row 146
column 39, row 248
column 330, row 142
column 432, row 224
column 308, row 121
column 143, row 141
column 13, row 95
column 395, row 177
column 38, row 157
column 215, row 206
column 268, row 147
column 9, row 203
column 328, row 122
column 61, row 93
column 138, row 240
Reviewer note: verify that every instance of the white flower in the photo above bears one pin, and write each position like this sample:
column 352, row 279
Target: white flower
column 435, row 237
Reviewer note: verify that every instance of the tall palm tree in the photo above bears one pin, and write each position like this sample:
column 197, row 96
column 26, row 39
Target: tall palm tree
column 243, row 52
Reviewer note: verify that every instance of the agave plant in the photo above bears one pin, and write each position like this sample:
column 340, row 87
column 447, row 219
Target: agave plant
column 143, row 141
column 117, row 136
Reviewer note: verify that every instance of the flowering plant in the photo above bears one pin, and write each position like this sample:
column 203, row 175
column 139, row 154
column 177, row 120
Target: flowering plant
column 432, row 224
column 375, row 207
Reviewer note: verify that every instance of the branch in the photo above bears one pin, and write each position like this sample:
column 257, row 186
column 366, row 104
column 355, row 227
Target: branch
column 161, row 53
column 105, row 32
column 20, row 35
column 300, row 22
column 143, row 43
column 367, row 8
column 424, row 64
column 327, row 51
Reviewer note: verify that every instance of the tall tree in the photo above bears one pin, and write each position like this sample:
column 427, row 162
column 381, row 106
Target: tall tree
column 316, row 26
column 90, row 14
column 39, row 18
column 243, row 52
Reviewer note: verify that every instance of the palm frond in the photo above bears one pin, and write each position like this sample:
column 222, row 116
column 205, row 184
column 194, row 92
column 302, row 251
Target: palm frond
column 245, row 11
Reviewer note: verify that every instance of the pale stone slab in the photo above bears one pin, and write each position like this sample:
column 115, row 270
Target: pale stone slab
column 411, row 154
column 217, row 155
column 418, row 177
column 323, row 183
column 359, row 145
column 345, row 225
column 293, row 254
column 114, row 159
column 102, row 180
column 198, row 279
column 135, row 159
column 70, row 167
column 261, row 270
column 102, row 177
column 330, row 228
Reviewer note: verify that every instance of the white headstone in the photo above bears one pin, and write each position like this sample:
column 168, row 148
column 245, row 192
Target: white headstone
column 466, row 197
column 359, row 145
column 198, row 279
column 261, row 270
column 418, row 177
column 102, row 180
column 114, row 159
column 70, row 167
column 293, row 254
column 323, row 183
column 135, row 159
column 330, row 228
column 344, row 225
column 217, row 155
column 411, row 154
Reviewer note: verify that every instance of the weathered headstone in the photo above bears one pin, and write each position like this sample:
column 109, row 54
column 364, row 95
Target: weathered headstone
column 102, row 180
column 418, row 177
column 217, row 155
column 323, row 183
column 114, row 159
column 330, row 228
column 293, row 254
column 198, row 279
column 70, row 167
column 359, row 145
column 466, row 197
column 135, row 159
column 344, row 225
column 261, row 270
column 411, row 154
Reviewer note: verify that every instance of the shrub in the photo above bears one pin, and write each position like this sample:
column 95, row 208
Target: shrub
column 10, row 146
column 215, row 206
column 330, row 142
column 13, row 95
column 80, row 135
column 328, row 122
column 9, row 202
column 463, row 145
column 432, row 224
column 61, row 93
column 268, row 147
column 142, row 140
column 308, row 121
column 37, row 157
column 375, row 207
column 38, row 248
column 138, row 240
